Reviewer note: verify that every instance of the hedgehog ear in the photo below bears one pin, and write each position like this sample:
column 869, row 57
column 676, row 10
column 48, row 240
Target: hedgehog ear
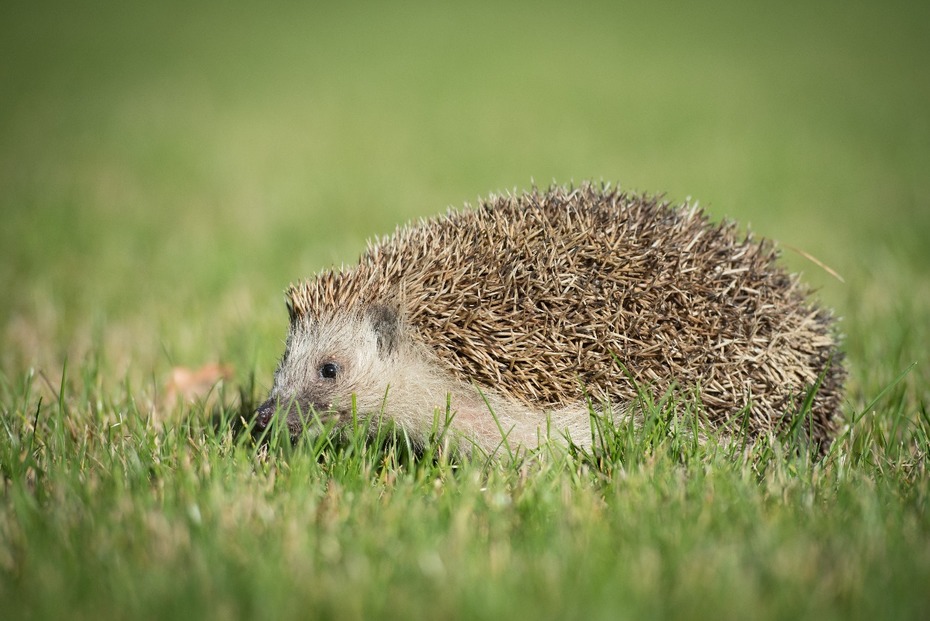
column 291, row 311
column 386, row 322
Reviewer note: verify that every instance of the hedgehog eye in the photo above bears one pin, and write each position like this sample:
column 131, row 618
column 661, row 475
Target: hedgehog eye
column 329, row 370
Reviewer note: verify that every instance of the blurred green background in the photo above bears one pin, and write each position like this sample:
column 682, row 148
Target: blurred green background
column 167, row 168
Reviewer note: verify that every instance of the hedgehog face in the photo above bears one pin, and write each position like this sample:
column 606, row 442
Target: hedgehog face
column 330, row 365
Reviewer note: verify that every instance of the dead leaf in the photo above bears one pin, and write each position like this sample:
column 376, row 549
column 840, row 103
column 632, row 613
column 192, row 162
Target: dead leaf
column 193, row 385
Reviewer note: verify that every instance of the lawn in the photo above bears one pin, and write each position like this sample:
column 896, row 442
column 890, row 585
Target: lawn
column 167, row 169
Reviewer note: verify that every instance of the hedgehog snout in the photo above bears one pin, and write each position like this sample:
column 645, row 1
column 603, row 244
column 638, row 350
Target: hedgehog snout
column 265, row 413
column 295, row 412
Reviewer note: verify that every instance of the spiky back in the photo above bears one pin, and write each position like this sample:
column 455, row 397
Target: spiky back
column 540, row 295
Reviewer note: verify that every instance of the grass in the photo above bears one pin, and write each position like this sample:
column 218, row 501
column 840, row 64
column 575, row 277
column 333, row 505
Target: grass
column 166, row 171
column 132, row 519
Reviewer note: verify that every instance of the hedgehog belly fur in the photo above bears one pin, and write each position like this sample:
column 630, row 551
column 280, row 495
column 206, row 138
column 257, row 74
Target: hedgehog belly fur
column 384, row 370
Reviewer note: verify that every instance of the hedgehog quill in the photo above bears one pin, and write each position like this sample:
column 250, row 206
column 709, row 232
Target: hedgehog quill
column 524, row 315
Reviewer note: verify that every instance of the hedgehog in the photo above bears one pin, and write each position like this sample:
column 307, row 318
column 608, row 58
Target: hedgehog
column 516, row 321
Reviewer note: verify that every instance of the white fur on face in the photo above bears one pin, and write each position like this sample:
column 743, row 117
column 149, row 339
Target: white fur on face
column 351, row 345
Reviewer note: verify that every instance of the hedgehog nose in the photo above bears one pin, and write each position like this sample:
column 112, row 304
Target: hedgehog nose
column 265, row 413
